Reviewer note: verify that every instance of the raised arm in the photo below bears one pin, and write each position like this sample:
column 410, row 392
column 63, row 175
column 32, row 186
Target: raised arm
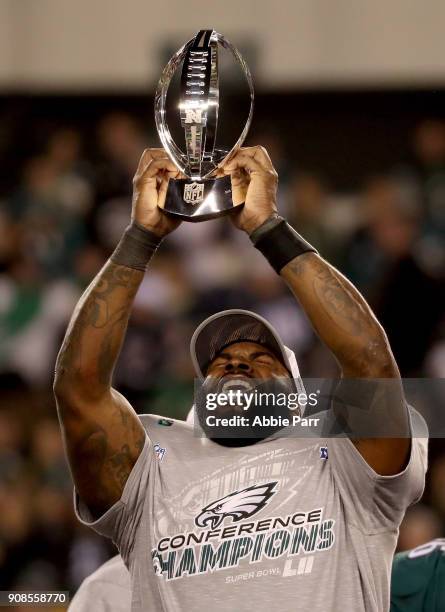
column 103, row 436
column 337, row 311
column 341, row 317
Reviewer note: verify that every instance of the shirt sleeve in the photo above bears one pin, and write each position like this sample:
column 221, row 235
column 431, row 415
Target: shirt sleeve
column 121, row 521
column 102, row 597
column 108, row 589
column 376, row 503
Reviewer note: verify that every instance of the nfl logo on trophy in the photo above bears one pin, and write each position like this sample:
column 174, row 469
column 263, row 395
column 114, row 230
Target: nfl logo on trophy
column 193, row 193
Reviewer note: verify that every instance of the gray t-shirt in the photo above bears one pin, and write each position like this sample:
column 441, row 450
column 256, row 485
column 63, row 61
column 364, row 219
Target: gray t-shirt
column 285, row 524
column 107, row 589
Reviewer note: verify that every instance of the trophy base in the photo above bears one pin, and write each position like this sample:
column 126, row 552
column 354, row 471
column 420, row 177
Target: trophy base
column 199, row 200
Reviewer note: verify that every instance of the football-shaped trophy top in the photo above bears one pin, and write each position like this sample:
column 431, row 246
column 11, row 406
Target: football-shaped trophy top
column 200, row 196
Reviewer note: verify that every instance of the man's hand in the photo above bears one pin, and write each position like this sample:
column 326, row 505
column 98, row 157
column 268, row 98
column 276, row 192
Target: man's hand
column 254, row 181
column 149, row 190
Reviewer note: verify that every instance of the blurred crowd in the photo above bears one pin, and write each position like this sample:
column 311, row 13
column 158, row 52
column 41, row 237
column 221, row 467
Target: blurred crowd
column 59, row 224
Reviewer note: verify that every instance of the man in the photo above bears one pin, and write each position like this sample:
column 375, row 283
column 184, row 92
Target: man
column 107, row 589
column 268, row 523
column 418, row 579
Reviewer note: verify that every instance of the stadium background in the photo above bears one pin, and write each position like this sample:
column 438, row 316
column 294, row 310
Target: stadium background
column 351, row 106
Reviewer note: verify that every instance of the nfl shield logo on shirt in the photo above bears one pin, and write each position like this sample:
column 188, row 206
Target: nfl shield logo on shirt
column 159, row 451
column 193, row 193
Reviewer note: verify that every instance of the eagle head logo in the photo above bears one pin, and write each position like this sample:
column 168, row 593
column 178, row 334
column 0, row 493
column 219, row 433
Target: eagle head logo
column 239, row 505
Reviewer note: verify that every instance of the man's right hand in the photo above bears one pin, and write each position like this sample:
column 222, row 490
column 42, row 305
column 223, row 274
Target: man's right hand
column 149, row 190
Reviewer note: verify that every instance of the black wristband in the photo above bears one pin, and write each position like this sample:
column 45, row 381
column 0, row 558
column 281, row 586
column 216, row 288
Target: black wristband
column 136, row 247
column 279, row 242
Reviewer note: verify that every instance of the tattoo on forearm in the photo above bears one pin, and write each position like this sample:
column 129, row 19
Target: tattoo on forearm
column 338, row 303
column 333, row 295
column 103, row 307
column 109, row 347
column 341, row 316
column 298, row 265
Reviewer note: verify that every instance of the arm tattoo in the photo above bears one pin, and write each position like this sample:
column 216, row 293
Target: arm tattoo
column 104, row 437
column 96, row 330
column 347, row 326
column 338, row 303
column 338, row 312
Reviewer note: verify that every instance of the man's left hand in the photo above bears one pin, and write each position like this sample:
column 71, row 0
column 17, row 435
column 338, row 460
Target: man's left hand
column 254, row 182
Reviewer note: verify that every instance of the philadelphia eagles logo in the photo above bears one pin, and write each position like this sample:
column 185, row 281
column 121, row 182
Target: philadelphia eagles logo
column 239, row 505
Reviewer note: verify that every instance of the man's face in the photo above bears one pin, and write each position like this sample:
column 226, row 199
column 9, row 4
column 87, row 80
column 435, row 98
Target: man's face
column 241, row 371
column 242, row 366
column 246, row 360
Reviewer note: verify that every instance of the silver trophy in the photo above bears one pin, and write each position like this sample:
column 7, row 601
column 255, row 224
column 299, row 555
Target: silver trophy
column 199, row 196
